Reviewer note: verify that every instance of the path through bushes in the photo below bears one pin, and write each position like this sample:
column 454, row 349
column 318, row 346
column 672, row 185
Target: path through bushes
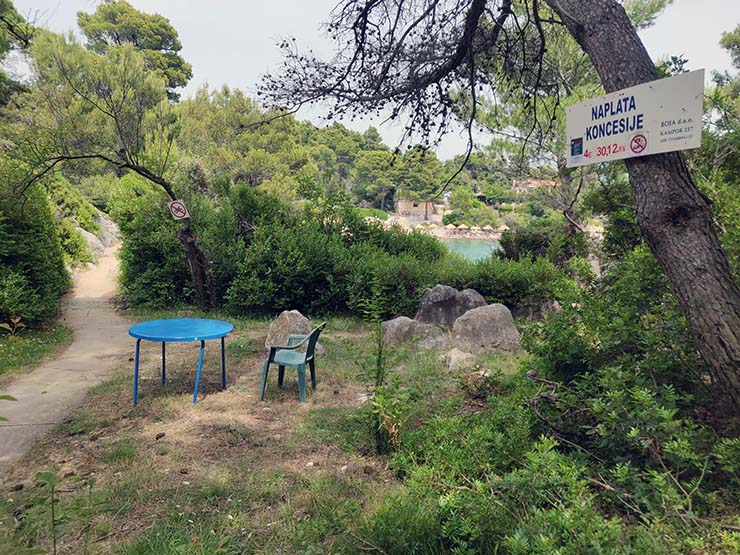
column 47, row 395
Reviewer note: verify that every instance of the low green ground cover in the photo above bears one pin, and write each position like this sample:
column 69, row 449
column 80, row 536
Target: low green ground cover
column 29, row 347
column 510, row 457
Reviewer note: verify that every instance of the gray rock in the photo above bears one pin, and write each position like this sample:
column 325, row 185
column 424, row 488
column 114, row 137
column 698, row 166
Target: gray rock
column 109, row 234
column 93, row 242
column 287, row 323
column 488, row 327
column 442, row 304
column 460, row 360
column 402, row 329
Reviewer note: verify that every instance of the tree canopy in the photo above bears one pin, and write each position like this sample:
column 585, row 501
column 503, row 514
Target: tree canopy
column 116, row 22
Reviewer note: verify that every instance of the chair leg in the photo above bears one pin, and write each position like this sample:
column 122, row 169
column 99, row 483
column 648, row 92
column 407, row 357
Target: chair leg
column 281, row 375
column 264, row 379
column 312, row 366
column 302, row 382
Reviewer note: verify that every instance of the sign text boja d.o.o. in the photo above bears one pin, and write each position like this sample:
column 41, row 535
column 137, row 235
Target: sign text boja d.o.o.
column 660, row 116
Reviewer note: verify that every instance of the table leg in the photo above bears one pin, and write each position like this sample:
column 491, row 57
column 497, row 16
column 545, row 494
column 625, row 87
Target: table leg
column 200, row 367
column 223, row 363
column 163, row 371
column 136, row 372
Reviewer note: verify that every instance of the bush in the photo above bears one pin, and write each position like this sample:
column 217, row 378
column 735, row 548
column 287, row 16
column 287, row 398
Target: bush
column 511, row 282
column 291, row 268
column 399, row 279
column 32, row 273
column 153, row 267
column 543, row 237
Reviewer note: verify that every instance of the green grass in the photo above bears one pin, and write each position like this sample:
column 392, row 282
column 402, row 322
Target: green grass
column 30, row 347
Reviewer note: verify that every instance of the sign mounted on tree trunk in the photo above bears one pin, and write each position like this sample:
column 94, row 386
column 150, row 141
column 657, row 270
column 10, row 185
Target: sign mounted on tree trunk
column 178, row 210
column 659, row 116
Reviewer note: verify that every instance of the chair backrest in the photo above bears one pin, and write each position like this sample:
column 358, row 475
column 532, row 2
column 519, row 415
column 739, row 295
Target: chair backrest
column 313, row 339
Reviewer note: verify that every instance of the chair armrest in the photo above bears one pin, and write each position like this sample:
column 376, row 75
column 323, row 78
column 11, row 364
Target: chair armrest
column 275, row 348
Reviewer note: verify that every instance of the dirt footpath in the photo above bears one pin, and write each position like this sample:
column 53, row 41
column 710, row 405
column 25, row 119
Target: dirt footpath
column 101, row 342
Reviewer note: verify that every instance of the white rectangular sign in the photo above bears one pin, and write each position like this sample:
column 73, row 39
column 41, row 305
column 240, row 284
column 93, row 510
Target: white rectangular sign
column 659, row 116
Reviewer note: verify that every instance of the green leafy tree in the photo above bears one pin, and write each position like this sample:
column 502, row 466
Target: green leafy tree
column 374, row 174
column 87, row 107
column 116, row 22
column 419, row 176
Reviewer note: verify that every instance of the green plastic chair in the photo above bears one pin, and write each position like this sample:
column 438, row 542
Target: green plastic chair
column 286, row 355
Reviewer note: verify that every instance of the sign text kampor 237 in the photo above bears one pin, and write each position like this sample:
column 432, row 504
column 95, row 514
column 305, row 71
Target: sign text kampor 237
column 660, row 116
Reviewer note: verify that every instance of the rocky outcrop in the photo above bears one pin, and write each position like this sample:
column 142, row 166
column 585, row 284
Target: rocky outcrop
column 109, row 230
column 488, row 327
column 457, row 360
column 442, row 304
column 288, row 322
column 93, row 242
column 403, row 329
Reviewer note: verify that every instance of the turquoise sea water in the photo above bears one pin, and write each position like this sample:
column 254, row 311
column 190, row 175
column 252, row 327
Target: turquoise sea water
column 472, row 249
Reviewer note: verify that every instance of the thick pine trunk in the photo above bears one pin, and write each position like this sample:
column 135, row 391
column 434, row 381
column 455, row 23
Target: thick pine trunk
column 674, row 217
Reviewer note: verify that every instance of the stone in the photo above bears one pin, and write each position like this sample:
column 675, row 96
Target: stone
column 109, row 234
column 488, row 328
column 93, row 242
column 402, row 329
column 460, row 360
column 442, row 304
column 289, row 322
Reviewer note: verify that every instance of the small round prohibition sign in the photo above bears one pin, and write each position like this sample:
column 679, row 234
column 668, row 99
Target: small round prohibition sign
column 178, row 209
column 638, row 143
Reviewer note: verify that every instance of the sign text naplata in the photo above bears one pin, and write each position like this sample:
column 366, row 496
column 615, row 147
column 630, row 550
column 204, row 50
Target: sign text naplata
column 660, row 116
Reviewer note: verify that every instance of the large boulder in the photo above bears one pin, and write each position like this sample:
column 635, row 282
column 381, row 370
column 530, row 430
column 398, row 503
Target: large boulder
column 442, row 304
column 287, row 323
column 109, row 230
column 402, row 329
column 488, row 327
column 93, row 242
column 460, row 360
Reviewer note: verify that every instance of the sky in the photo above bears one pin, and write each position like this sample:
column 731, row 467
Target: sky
column 233, row 42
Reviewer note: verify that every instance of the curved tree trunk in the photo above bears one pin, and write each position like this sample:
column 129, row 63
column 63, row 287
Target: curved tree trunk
column 199, row 264
column 674, row 217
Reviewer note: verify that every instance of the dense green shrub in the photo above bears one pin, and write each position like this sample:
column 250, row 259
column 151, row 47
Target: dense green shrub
column 511, row 282
column 153, row 268
column 73, row 243
column 291, row 268
column 543, row 237
column 32, row 273
column 399, row 280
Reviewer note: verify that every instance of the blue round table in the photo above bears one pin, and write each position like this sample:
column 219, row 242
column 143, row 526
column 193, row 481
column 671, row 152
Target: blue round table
column 178, row 330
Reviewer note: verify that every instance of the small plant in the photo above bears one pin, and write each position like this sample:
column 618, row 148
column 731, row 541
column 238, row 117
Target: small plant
column 14, row 327
column 50, row 479
column 383, row 421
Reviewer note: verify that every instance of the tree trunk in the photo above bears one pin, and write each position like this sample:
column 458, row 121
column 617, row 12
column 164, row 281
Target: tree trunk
column 674, row 217
column 198, row 262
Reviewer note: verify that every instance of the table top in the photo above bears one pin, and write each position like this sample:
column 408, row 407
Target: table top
column 181, row 329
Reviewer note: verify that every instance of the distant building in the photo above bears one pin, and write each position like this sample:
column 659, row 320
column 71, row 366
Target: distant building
column 408, row 207
column 527, row 185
